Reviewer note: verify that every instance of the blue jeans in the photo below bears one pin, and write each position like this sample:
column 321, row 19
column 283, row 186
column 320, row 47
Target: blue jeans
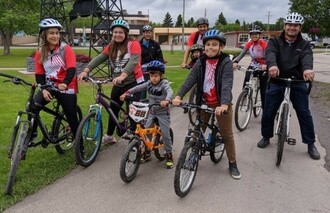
column 300, row 102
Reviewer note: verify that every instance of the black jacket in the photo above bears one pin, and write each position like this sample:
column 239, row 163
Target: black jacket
column 224, row 77
column 152, row 53
column 291, row 59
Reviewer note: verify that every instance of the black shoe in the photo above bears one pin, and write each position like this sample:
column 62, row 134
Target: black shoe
column 263, row 143
column 313, row 153
column 234, row 170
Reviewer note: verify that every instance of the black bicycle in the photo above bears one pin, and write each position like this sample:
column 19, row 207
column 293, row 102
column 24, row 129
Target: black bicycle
column 196, row 146
column 90, row 130
column 60, row 133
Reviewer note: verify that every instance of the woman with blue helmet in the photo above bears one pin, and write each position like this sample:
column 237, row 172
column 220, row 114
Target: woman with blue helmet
column 158, row 91
column 213, row 74
column 124, row 55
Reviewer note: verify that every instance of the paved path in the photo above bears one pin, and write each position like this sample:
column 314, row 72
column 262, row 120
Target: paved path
column 298, row 185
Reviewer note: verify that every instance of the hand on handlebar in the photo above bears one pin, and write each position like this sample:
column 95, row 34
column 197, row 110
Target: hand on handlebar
column 309, row 75
column 47, row 95
column 273, row 71
column 220, row 110
column 177, row 101
column 164, row 103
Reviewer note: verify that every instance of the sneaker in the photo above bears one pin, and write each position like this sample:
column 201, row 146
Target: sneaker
column 108, row 139
column 169, row 163
column 234, row 170
column 146, row 156
column 263, row 143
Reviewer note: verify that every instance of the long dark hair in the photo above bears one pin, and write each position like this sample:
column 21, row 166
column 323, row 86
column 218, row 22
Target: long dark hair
column 44, row 45
column 114, row 47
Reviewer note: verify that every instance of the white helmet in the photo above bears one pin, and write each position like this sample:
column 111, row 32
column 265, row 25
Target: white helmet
column 294, row 18
column 49, row 23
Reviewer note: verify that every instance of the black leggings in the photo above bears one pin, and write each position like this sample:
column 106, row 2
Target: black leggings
column 116, row 92
column 263, row 77
column 68, row 103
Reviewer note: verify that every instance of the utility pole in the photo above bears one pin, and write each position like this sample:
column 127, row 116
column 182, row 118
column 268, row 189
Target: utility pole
column 268, row 16
column 205, row 13
column 183, row 40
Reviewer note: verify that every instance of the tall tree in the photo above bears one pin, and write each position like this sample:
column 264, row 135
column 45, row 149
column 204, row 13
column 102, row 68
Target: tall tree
column 179, row 21
column 22, row 15
column 237, row 22
column 191, row 22
column 221, row 20
column 167, row 22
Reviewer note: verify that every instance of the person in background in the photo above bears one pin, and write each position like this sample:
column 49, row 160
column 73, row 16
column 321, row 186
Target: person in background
column 159, row 91
column 257, row 49
column 150, row 51
column 195, row 52
column 54, row 67
column 213, row 74
column 124, row 55
column 289, row 56
column 195, row 38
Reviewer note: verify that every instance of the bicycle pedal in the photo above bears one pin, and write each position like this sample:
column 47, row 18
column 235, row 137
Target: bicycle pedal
column 291, row 141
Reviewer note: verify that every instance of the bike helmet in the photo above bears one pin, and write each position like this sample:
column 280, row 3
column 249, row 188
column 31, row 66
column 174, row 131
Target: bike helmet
column 197, row 47
column 49, row 23
column 146, row 28
column 214, row 34
column 294, row 18
column 255, row 29
column 119, row 23
column 156, row 66
column 202, row 21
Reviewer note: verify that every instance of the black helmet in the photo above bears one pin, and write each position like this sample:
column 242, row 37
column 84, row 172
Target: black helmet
column 197, row 47
column 202, row 21
column 255, row 29
column 214, row 34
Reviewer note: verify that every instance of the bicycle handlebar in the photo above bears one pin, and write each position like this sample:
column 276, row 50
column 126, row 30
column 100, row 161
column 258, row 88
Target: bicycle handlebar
column 87, row 78
column 15, row 79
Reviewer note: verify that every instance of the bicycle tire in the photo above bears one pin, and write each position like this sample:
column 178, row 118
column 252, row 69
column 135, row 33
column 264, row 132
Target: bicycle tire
column 243, row 110
column 62, row 130
column 282, row 134
column 219, row 148
column 88, row 139
column 257, row 103
column 131, row 159
column 159, row 153
column 186, row 168
column 192, row 112
column 17, row 154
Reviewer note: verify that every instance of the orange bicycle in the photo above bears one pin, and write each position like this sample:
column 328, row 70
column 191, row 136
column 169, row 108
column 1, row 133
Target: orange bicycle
column 149, row 139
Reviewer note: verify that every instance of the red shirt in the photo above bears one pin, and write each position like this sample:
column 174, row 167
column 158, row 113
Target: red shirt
column 191, row 40
column 55, row 67
column 209, row 88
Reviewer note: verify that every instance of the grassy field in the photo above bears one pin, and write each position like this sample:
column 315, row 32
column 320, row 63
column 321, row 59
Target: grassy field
column 43, row 166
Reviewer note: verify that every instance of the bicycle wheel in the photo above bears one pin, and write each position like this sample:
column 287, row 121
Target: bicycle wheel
column 282, row 134
column 63, row 132
column 219, row 148
column 243, row 110
column 192, row 100
column 186, row 168
column 257, row 103
column 88, row 139
column 159, row 153
column 23, row 135
column 130, row 161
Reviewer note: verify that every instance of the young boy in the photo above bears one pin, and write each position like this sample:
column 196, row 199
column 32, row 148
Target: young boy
column 195, row 51
column 159, row 91
column 213, row 74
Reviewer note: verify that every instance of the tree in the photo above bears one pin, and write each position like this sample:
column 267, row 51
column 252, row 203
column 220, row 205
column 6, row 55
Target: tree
column 179, row 21
column 237, row 22
column 228, row 27
column 221, row 20
column 22, row 15
column 191, row 23
column 316, row 14
column 167, row 21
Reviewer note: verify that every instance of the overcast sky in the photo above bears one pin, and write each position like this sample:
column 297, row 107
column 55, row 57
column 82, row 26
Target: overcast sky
column 248, row 10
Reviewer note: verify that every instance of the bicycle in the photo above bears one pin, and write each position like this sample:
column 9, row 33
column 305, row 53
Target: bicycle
column 282, row 128
column 90, row 130
column 60, row 133
column 248, row 100
column 143, row 139
column 196, row 146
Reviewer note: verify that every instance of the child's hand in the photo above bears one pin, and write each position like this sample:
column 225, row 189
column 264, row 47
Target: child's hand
column 122, row 97
column 223, row 109
column 164, row 103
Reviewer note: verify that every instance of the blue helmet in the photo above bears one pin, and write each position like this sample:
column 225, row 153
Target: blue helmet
column 156, row 65
column 119, row 23
column 214, row 34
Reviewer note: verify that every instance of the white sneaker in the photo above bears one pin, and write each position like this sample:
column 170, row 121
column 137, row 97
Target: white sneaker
column 108, row 139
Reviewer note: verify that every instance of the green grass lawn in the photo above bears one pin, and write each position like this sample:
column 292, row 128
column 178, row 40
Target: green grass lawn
column 43, row 165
